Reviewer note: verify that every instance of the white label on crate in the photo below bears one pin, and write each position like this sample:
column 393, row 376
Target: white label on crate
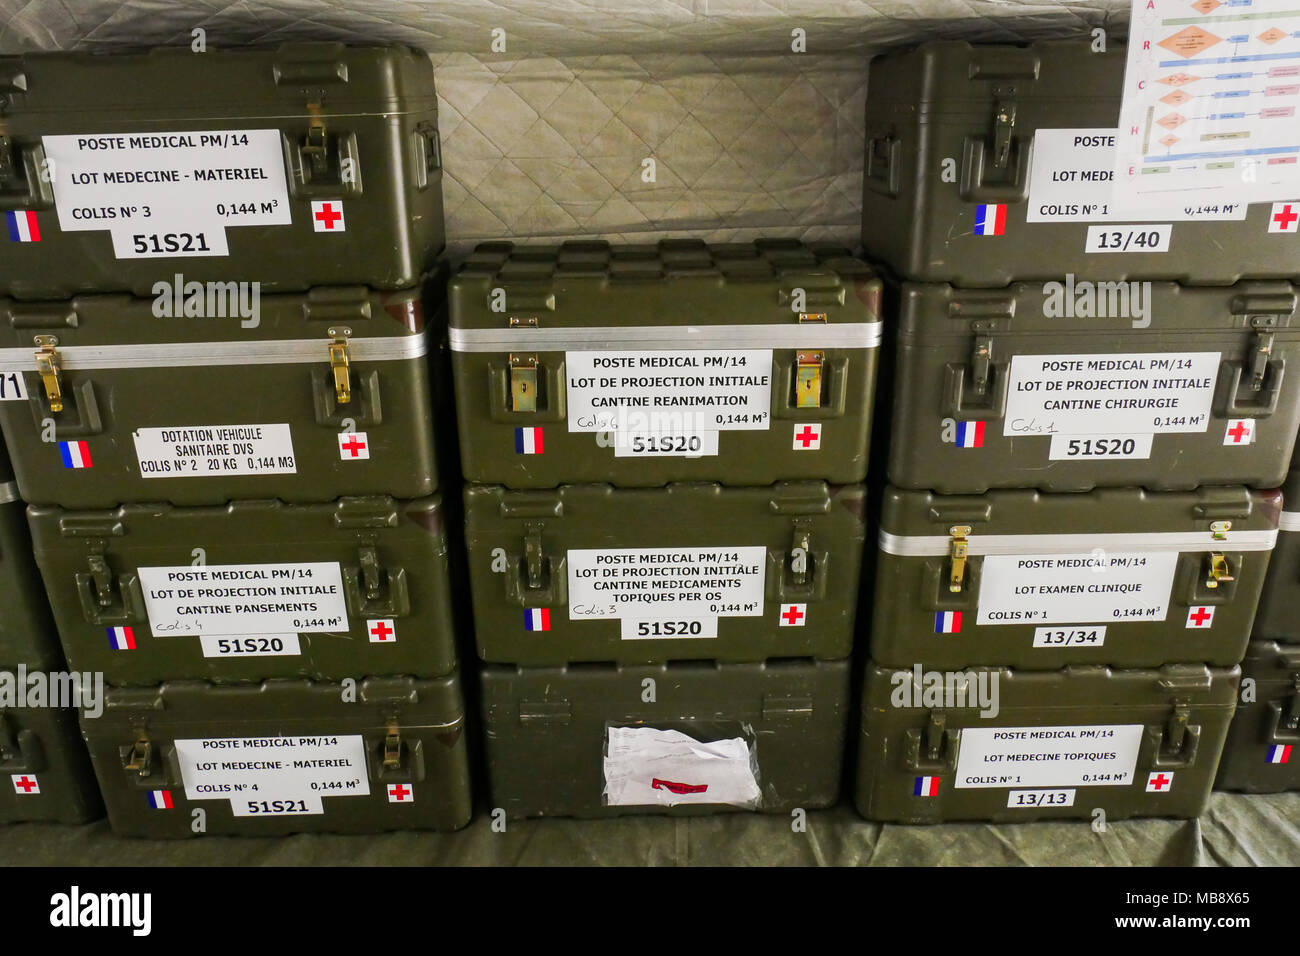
column 1101, row 448
column 646, row 766
column 1087, row 635
column 163, row 195
column 1103, row 755
column 1017, row 799
column 669, row 403
column 273, row 776
column 1083, row 588
column 689, row 588
column 245, row 599
column 205, row 451
column 263, row 645
column 12, row 387
column 1110, row 395
column 1128, row 238
column 1072, row 179
column 679, row 444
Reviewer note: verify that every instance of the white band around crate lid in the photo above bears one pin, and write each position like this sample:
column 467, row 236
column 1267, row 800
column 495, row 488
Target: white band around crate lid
column 1290, row 521
column 934, row 545
column 808, row 335
column 253, row 352
column 8, row 492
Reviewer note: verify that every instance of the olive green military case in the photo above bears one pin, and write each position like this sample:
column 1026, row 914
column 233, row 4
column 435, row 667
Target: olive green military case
column 1116, row 576
column 327, row 394
column 1067, row 387
column 189, row 758
column 1005, row 745
column 42, row 757
column 1278, row 617
column 691, row 571
column 294, row 166
column 27, row 634
column 592, row 740
column 986, row 164
column 250, row 590
column 681, row 361
column 1262, row 754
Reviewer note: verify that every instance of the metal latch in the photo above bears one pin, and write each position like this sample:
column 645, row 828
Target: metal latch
column 1175, row 729
column 1219, row 572
column 1260, row 353
column 1220, row 529
column 981, row 361
column 393, row 747
column 50, row 367
column 340, row 364
column 934, row 729
column 523, row 383
column 958, row 549
column 813, row 317
column 800, row 557
column 808, row 380
column 313, row 144
column 1004, row 121
column 141, row 752
column 371, row 574
column 534, row 559
column 102, row 576
column 8, row 171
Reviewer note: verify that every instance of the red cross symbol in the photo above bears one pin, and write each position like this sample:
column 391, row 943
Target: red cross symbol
column 807, row 436
column 328, row 216
column 352, row 446
column 1159, row 782
column 26, row 783
column 399, row 792
column 1284, row 217
column 1200, row 616
column 1239, row 431
column 792, row 615
column 381, row 631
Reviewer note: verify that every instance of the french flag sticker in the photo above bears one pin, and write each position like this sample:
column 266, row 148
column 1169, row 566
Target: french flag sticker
column 926, row 787
column 76, row 454
column 990, row 219
column 537, row 619
column 970, row 434
column 121, row 638
column 528, row 441
column 1279, row 753
column 947, row 622
column 23, row 226
column 160, row 799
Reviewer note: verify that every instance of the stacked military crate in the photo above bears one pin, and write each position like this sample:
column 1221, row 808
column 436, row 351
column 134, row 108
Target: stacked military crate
column 1258, row 757
column 665, row 519
column 40, row 750
column 1072, row 545
column 233, row 493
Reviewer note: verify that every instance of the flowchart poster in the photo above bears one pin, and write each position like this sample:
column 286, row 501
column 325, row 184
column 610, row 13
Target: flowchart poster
column 1209, row 115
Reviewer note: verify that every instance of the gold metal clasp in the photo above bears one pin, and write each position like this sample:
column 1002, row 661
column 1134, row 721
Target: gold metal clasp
column 50, row 368
column 1220, row 529
column 1219, row 571
column 958, row 550
column 340, row 364
column 141, row 751
column 808, row 379
column 393, row 747
column 523, row 383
